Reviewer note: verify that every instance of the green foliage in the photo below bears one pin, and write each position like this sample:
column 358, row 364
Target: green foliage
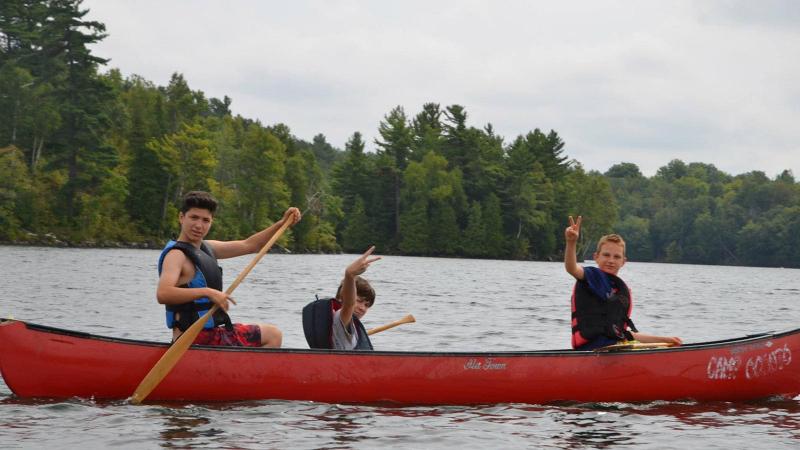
column 324, row 153
column 595, row 201
column 97, row 157
column 416, row 229
column 188, row 159
column 105, row 217
column 260, row 169
column 352, row 178
column 322, row 238
column 494, row 238
column 394, row 147
column 357, row 235
column 437, row 196
column 181, row 104
column 15, row 188
column 427, row 131
column 636, row 232
column 531, row 197
column 147, row 177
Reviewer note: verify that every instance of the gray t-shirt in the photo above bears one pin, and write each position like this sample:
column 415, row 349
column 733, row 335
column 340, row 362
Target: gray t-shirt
column 343, row 339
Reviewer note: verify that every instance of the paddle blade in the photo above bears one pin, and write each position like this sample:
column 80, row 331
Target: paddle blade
column 169, row 359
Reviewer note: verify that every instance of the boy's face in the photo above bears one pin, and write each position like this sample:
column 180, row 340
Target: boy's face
column 195, row 224
column 610, row 258
column 361, row 308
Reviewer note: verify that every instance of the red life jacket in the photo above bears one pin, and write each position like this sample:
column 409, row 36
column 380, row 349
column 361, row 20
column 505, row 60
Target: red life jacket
column 593, row 316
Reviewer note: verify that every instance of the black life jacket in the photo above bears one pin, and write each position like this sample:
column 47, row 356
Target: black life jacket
column 318, row 325
column 593, row 316
column 208, row 273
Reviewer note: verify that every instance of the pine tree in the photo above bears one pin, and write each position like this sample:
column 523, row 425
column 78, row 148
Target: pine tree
column 15, row 188
column 473, row 242
column 357, row 234
column 395, row 144
column 427, row 131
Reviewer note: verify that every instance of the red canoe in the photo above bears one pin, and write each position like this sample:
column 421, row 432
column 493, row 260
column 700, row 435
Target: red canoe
column 39, row 361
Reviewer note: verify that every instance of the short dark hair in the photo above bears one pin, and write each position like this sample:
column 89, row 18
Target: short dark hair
column 199, row 199
column 363, row 290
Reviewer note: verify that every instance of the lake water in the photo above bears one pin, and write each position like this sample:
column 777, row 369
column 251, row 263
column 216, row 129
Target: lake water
column 459, row 304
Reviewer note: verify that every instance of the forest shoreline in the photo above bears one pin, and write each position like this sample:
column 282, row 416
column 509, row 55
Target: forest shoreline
column 51, row 240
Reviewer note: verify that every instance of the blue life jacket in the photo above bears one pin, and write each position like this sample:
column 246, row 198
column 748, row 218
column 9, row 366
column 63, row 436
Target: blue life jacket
column 318, row 325
column 601, row 305
column 207, row 273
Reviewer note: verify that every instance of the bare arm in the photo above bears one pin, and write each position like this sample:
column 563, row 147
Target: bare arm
column 168, row 292
column 648, row 338
column 254, row 243
column 571, row 234
column 348, row 293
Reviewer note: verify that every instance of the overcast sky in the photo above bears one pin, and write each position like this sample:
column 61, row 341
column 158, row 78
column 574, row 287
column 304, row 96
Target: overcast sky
column 620, row 81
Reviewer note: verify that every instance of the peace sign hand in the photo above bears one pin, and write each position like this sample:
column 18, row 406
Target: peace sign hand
column 573, row 231
column 360, row 265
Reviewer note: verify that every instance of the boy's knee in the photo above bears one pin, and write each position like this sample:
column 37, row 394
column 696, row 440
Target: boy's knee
column 271, row 336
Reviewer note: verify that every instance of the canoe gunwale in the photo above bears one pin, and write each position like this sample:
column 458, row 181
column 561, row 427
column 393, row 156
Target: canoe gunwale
column 748, row 339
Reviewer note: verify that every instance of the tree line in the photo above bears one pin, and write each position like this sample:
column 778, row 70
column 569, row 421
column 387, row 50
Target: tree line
column 97, row 157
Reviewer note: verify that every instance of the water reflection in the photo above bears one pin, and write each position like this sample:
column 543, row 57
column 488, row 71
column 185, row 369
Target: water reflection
column 343, row 424
column 779, row 414
column 779, row 417
column 596, row 431
column 183, row 428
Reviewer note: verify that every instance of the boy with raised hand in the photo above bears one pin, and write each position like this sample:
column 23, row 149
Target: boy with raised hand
column 190, row 280
column 601, row 301
column 335, row 323
column 356, row 296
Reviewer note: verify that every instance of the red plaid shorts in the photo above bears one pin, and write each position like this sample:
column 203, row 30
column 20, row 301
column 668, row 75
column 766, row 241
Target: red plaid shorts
column 241, row 336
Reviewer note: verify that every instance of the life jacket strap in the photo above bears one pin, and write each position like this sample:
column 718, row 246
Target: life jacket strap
column 631, row 325
column 189, row 313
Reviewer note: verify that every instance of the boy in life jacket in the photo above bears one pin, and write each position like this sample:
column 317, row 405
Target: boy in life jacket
column 601, row 301
column 335, row 323
column 190, row 280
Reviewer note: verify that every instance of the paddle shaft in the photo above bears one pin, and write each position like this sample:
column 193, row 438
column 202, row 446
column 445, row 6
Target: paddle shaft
column 407, row 319
column 184, row 341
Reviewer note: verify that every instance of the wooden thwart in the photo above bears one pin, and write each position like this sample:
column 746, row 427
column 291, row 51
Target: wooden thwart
column 634, row 346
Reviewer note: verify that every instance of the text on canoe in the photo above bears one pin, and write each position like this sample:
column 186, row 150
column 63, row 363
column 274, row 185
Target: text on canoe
column 728, row 367
column 487, row 364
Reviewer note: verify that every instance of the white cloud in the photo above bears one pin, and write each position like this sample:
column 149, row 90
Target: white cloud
column 641, row 82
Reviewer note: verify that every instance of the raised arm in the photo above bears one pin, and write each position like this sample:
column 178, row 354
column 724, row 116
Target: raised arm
column 571, row 234
column 254, row 243
column 348, row 292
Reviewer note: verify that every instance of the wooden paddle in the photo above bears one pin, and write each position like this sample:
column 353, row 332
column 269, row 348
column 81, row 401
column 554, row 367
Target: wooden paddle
column 179, row 347
column 407, row 319
column 634, row 346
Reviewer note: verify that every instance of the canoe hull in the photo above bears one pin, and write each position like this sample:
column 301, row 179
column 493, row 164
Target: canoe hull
column 45, row 362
